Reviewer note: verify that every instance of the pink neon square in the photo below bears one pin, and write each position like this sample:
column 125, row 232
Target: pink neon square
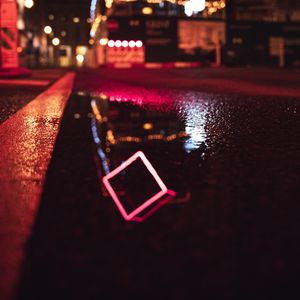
column 134, row 215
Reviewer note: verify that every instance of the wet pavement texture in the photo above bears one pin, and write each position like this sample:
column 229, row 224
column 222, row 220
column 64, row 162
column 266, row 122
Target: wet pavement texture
column 230, row 233
column 14, row 97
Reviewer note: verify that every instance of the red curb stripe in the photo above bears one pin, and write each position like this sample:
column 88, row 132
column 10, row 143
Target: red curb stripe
column 24, row 82
column 27, row 142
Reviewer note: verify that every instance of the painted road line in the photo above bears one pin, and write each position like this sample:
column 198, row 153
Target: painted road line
column 27, row 142
column 24, row 82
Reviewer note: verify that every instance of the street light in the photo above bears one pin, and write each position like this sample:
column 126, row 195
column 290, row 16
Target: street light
column 28, row 3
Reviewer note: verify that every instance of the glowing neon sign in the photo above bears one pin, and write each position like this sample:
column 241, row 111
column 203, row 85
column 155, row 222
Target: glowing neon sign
column 137, row 213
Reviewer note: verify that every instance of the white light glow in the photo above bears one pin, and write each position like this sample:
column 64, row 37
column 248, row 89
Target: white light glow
column 132, row 44
column 194, row 6
column 103, row 41
column 80, row 58
column 93, row 9
column 125, row 44
column 47, row 29
column 28, row 3
column 139, row 44
column 111, row 43
column 56, row 41
column 118, row 43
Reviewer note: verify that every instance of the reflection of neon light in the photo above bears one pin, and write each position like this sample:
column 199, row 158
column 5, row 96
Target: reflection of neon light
column 132, row 216
column 99, row 149
column 195, row 125
column 93, row 9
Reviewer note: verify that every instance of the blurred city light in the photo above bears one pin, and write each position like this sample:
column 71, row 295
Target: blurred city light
column 56, row 41
column 118, row 43
column 132, row 44
column 125, row 44
column 147, row 10
column 76, row 20
column 28, row 3
column 103, row 41
column 111, row 43
column 139, row 44
column 80, row 58
column 47, row 29
column 194, row 6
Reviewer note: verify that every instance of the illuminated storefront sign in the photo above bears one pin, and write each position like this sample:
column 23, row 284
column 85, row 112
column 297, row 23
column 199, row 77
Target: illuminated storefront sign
column 8, row 34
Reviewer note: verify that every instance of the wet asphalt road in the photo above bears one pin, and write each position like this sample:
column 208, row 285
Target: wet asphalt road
column 15, row 96
column 11, row 100
column 234, row 237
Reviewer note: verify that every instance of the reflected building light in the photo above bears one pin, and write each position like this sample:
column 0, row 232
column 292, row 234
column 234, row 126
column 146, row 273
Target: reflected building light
column 195, row 120
column 93, row 9
column 96, row 111
column 100, row 151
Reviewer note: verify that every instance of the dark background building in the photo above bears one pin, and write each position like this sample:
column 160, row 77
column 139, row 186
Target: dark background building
column 263, row 32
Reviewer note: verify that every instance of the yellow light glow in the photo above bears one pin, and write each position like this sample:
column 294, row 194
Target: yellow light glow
column 76, row 20
column 56, row 41
column 47, row 29
column 28, row 3
column 147, row 10
column 212, row 10
column 91, row 41
column 80, row 58
column 153, row 1
column 103, row 41
column 148, row 126
column 108, row 3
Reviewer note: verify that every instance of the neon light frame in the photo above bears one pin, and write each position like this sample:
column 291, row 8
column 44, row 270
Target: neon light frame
column 133, row 216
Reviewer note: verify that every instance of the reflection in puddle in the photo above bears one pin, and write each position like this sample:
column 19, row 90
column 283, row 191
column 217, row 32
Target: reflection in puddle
column 195, row 119
column 167, row 134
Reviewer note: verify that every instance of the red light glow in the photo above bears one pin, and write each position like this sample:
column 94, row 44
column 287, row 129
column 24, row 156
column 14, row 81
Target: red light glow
column 134, row 215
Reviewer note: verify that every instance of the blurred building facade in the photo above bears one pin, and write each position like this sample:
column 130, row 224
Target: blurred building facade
column 98, row 32
column 53, row 33
column 232, row 32
column 66, row 30
column 263, row 32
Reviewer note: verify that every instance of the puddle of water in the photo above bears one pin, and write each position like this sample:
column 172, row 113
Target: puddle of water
column 167, row 132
